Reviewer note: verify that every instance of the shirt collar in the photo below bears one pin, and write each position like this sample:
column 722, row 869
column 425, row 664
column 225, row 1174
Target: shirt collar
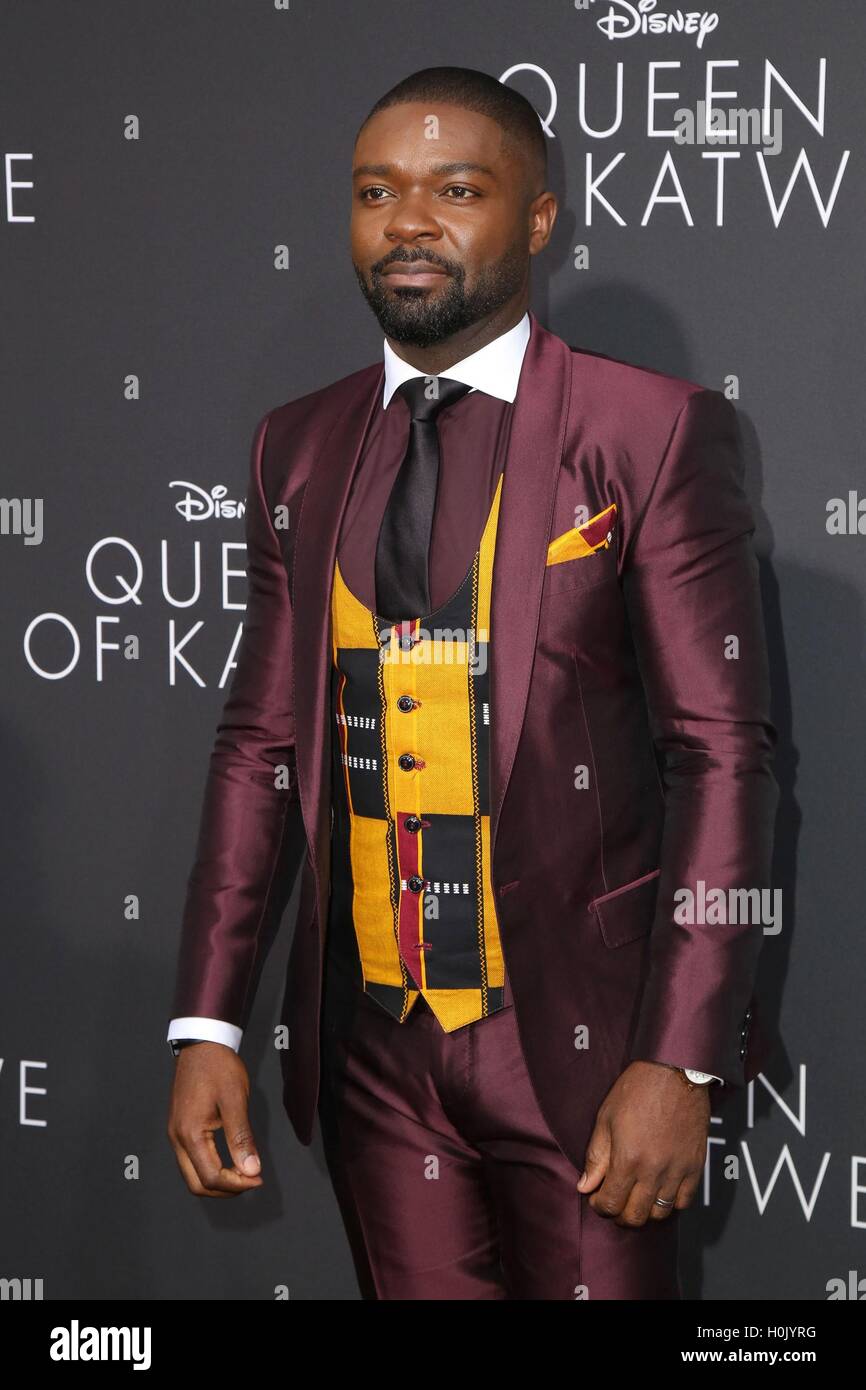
column 494, row 369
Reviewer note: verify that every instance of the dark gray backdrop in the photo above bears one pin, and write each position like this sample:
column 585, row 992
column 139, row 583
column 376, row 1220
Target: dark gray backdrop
column 154, row 258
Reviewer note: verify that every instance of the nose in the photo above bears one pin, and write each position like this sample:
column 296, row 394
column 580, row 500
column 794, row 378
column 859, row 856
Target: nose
column 412, row 218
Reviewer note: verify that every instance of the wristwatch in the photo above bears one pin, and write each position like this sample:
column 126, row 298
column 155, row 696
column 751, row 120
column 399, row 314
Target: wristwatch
column 177, row 1043
column 696, row 1078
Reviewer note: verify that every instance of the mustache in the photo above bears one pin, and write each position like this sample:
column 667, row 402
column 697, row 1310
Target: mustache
column 408, row 258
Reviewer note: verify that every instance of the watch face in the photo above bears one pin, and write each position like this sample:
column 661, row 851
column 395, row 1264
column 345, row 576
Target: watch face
column 698, row 1078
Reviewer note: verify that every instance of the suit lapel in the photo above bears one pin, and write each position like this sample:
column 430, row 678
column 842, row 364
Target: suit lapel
column 525, row 520
column 325, row 496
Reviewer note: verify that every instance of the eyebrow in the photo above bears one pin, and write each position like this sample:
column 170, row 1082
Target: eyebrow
column 459, row 166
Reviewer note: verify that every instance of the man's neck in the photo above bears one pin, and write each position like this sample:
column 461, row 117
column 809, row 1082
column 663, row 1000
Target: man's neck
column 440, row 356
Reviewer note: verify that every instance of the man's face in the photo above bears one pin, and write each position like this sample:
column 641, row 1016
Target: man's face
column 441, row 220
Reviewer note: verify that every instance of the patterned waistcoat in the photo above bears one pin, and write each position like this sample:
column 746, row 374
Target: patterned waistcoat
column 410, row 706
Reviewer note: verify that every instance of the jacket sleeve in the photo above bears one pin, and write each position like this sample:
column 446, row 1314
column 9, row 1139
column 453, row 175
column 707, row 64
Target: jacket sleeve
column 690, row 581
column 250, row 784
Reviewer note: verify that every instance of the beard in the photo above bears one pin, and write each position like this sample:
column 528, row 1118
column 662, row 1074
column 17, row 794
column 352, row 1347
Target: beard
column 424, row 317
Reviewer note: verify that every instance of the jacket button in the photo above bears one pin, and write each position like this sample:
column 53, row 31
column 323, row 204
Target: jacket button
column 415, row 884
column 412, row 823
column 406, row 761
column 405, row 703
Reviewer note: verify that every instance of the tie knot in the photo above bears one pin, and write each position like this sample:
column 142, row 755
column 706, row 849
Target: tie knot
column 426, row 396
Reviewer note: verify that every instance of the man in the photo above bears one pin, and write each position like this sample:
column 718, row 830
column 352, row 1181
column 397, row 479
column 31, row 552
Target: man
column 503, row 653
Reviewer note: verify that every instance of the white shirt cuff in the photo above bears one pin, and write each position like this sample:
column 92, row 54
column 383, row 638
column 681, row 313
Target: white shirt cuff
column 207, row 1029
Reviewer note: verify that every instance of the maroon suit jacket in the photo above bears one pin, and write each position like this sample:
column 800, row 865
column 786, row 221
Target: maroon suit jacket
column 616, row 662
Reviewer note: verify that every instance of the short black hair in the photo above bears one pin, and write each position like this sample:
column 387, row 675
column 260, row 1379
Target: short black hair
column 478, row 91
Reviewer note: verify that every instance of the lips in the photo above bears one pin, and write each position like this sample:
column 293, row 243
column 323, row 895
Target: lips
column 417, row 273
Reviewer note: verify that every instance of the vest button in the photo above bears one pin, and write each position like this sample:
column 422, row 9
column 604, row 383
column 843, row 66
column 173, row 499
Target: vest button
column 412, row 823
column 406, row 761
column 405, row 703
column 406, row 641
column 415, row 884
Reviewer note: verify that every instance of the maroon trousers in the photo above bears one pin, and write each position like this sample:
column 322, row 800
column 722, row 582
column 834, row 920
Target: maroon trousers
column 450, row 1184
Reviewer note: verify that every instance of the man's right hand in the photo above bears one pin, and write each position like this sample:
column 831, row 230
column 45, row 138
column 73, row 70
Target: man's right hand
column 210, row 1092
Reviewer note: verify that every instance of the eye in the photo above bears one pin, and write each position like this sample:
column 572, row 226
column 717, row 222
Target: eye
column 376, row 188
column 462, row 187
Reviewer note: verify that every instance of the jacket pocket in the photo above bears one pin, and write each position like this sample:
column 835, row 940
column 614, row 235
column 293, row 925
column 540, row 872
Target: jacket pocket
column 580, row 541
column 626, row 913
column 581, row 572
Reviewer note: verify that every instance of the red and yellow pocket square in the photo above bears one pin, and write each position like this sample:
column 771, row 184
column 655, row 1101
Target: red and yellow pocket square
column 595, row 534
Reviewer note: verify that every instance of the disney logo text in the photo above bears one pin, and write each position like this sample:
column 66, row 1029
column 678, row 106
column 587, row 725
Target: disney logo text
column 198, row 505
column 623, row 20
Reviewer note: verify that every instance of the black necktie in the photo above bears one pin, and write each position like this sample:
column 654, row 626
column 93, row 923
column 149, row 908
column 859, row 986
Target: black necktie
column 403, row 547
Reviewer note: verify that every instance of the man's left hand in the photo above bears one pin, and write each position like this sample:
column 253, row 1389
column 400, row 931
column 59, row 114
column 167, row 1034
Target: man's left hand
column 649, row 1140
